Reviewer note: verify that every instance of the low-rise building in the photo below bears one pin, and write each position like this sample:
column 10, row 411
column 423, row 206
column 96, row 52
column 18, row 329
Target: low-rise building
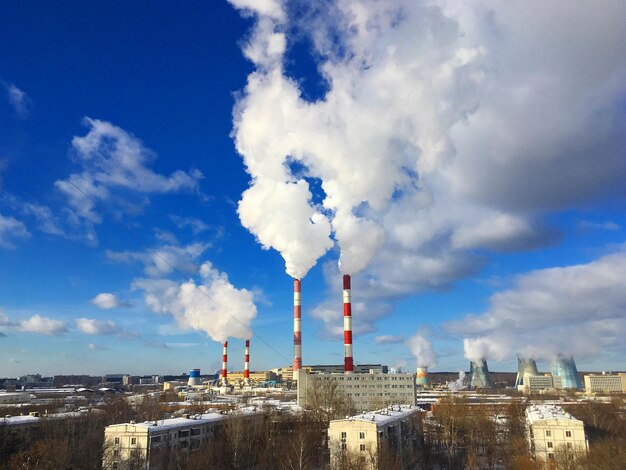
column 369, row 438
column 605, row 383
column 553, row 433
column 366, row 391
column 141, row 445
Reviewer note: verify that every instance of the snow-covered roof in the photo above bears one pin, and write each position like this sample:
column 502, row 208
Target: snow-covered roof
column 543, row 412
column 385, row 416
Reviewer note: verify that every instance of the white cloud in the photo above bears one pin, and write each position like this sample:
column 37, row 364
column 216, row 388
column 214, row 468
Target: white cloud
column 97, row 327
column 114, row 161
column 573, row 310
column 19, row 100
column 197, row 226
column 422, row 349
column 163, row 259
column 388, row 339
column 213, row 306
column 96, row 347
column 42, row 325
column 106, row 300
column 11, row 229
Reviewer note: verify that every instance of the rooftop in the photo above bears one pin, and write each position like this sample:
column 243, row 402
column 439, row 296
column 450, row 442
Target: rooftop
column 536, row 413
column 384, row 416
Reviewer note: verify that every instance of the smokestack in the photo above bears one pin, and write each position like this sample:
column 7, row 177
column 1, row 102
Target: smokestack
column 225, row 364
column 421, row 377
column 525, row 366
column 348, row 365
column 194, row 378
column 297, row 328
column 565, row 367
column 479, row 375
column 246, row 364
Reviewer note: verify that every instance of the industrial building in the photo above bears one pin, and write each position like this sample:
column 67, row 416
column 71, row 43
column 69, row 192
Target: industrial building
column 367, row 391
column 551, row 431
column 396, row 430
column 605, row 383
column 540, row 383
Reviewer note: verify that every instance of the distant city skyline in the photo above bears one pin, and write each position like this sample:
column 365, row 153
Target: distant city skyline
column 166, row 169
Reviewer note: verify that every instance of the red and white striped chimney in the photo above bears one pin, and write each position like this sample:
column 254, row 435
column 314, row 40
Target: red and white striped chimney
column 297, row 328
column 348, row 365
column 246, row 364
column 225, row 364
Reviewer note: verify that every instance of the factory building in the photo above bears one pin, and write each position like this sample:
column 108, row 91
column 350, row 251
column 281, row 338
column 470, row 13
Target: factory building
column 605, row 383
column 540, row 383
column 367, row 391
column 395, row 431
column 140, row 445
column 551, row 431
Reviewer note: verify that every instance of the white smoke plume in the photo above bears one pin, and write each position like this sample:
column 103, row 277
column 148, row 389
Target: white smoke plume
column 213, row 306
column 544, row 309
column 422, row 349
column 446, row 128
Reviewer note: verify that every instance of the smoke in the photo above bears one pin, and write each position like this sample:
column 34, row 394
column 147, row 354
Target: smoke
column 213, row 306
column 458, row 384
column 422, row 349
column 477, row 349
column 442, row 130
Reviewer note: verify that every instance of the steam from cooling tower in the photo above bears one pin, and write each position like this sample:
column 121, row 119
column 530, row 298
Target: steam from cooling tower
column 422, row 349
column 495, row 347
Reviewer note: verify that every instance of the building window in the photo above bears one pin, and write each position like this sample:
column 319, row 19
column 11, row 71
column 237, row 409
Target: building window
column 548, row 433
column 568, row 433
column 362, row 447
column 361, row 435
column 133, row 441
column 343, row 446
column 117, row 440
column 551, row 456
column 569, row 445
column 116, row 453
column 343, row 435
column 549, row 444
column 114, row 466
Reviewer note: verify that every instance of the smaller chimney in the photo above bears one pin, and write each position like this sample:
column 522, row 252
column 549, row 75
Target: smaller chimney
column 225, row 364
column 297, row 328
column 246, row 364
column 348, row 365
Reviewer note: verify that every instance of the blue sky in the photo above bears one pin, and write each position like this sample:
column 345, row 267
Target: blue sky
column 162, row 163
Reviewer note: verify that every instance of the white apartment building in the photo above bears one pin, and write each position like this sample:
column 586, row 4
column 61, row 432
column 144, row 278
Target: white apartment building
column 540, row 383
column 551, row 431
column 605, row 383
column 140, row 444
column 396, row 429
column 367, row 391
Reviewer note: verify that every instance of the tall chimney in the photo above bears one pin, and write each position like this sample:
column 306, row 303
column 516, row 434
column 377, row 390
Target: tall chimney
column 225, row 364
column 348, row 365
column 297, row 328
column 246, row 364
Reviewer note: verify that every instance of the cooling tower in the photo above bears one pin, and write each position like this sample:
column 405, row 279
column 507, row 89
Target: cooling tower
column 565, row 367
column 421, row 377
column 525, row 366
column 194, row 378
column 479, row 375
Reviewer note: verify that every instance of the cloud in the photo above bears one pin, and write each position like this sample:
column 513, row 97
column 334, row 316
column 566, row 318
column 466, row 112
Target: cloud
column 213, row 306
column 445, row 133
column 97, row 327
column 19, row 100
column 2, row 334
column 107, row 300
column 388, row 339
column 163, row 259
column 11, row 229
column 114, row 168
column 590, row 225
column 42, row 325
column 95, row 347
column 544, row 310
column 196, row 225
